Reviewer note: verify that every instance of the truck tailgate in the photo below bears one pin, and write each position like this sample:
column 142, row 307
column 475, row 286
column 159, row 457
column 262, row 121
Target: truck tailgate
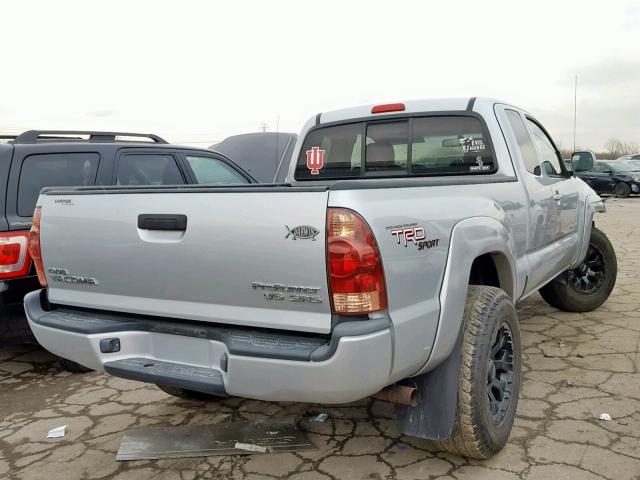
column 239, row 260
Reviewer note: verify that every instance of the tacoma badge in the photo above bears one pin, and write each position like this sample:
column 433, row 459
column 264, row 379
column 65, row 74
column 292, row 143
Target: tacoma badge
column 63, row 275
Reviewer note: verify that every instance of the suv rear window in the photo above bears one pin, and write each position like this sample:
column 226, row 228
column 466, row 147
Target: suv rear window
column 434, row 145
column 53, row 170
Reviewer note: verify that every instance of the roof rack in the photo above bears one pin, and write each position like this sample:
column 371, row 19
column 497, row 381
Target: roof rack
column 33, row 136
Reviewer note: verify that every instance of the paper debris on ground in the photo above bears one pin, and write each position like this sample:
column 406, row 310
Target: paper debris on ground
column 57, row 432
column 232, row 438
column 605, row 417
column 322, row 417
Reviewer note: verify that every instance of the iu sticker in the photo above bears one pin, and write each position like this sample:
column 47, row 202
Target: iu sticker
column 315, row 160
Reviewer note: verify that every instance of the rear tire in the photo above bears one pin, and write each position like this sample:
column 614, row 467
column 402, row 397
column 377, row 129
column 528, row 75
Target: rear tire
column 73, row 367
column 188, row 394
column 589, row 285
column 622, row 190
column 489, row 382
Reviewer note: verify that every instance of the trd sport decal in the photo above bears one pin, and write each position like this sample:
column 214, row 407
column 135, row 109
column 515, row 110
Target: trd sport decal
column 411, row 233
column 315, row 160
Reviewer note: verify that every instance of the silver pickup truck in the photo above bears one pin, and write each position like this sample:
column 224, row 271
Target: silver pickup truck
column 388, row 263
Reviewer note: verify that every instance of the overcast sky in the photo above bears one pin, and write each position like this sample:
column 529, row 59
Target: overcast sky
column 197, row 72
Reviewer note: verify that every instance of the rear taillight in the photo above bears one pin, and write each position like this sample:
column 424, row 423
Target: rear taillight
column 14, row 257
column 34, row 246
column 356, row 278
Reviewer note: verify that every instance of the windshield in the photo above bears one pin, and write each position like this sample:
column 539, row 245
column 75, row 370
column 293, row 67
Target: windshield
column 627, row 166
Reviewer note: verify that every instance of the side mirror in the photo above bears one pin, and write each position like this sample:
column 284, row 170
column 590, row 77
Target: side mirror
column 582, row 161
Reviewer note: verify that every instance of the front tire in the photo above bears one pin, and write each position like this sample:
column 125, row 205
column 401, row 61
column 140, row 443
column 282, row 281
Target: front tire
column 489, row 382
column 588, row 286
column 622, row 190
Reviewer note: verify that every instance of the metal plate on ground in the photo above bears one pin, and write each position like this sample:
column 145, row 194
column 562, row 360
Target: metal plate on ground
column 234, row 438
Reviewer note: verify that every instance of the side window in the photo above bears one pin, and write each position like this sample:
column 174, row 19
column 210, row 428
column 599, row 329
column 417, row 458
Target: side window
column 211, row 170
column 527, row 149
column 600, row 168
column 549, row 157
column 148, row 169
column 53, row 169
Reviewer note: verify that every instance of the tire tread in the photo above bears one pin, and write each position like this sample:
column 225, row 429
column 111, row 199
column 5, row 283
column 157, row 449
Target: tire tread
column 467, row 438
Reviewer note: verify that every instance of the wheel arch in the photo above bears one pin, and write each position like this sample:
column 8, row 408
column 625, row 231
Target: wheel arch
column 482, row 241
column 493, row 269
column 593, row 203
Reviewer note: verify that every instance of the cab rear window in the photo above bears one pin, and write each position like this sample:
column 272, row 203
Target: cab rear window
column 434, row 145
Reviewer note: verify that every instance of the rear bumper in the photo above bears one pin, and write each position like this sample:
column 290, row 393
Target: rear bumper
column 353, row 363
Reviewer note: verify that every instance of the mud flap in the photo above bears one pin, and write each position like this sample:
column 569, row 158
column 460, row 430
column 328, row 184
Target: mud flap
column 435, row 414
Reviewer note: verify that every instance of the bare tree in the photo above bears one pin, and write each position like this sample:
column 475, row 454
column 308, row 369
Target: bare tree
column 629, row 148
column 617, row 148
column 614, row 147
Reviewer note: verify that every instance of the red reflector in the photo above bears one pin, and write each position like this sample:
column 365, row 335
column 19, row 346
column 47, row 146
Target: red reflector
column 34, row 246
column 9, row 253
column 356, row 278
column 389, row 107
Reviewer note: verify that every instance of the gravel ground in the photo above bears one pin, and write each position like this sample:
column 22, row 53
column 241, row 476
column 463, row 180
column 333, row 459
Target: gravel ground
column 576, row 366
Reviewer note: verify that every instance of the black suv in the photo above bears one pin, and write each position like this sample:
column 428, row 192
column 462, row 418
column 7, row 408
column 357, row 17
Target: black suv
column 37, row 159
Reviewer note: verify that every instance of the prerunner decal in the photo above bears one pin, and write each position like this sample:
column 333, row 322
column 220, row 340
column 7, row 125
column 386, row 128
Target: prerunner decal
column 470, row 144
column 412, row 233
column 315, row 160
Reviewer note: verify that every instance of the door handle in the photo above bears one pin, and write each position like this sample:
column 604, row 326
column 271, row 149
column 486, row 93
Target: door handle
column 557, row 196
column 159, row 221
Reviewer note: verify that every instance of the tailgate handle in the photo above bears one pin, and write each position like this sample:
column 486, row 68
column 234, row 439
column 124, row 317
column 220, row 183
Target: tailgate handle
column 160, row 221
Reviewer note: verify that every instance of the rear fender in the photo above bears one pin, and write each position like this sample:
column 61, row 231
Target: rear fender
column 437, row 381
column 470, row 239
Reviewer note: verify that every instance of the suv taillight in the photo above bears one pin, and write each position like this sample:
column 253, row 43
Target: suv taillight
column 34, row 246
column 356, row 278
column 14, row 257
